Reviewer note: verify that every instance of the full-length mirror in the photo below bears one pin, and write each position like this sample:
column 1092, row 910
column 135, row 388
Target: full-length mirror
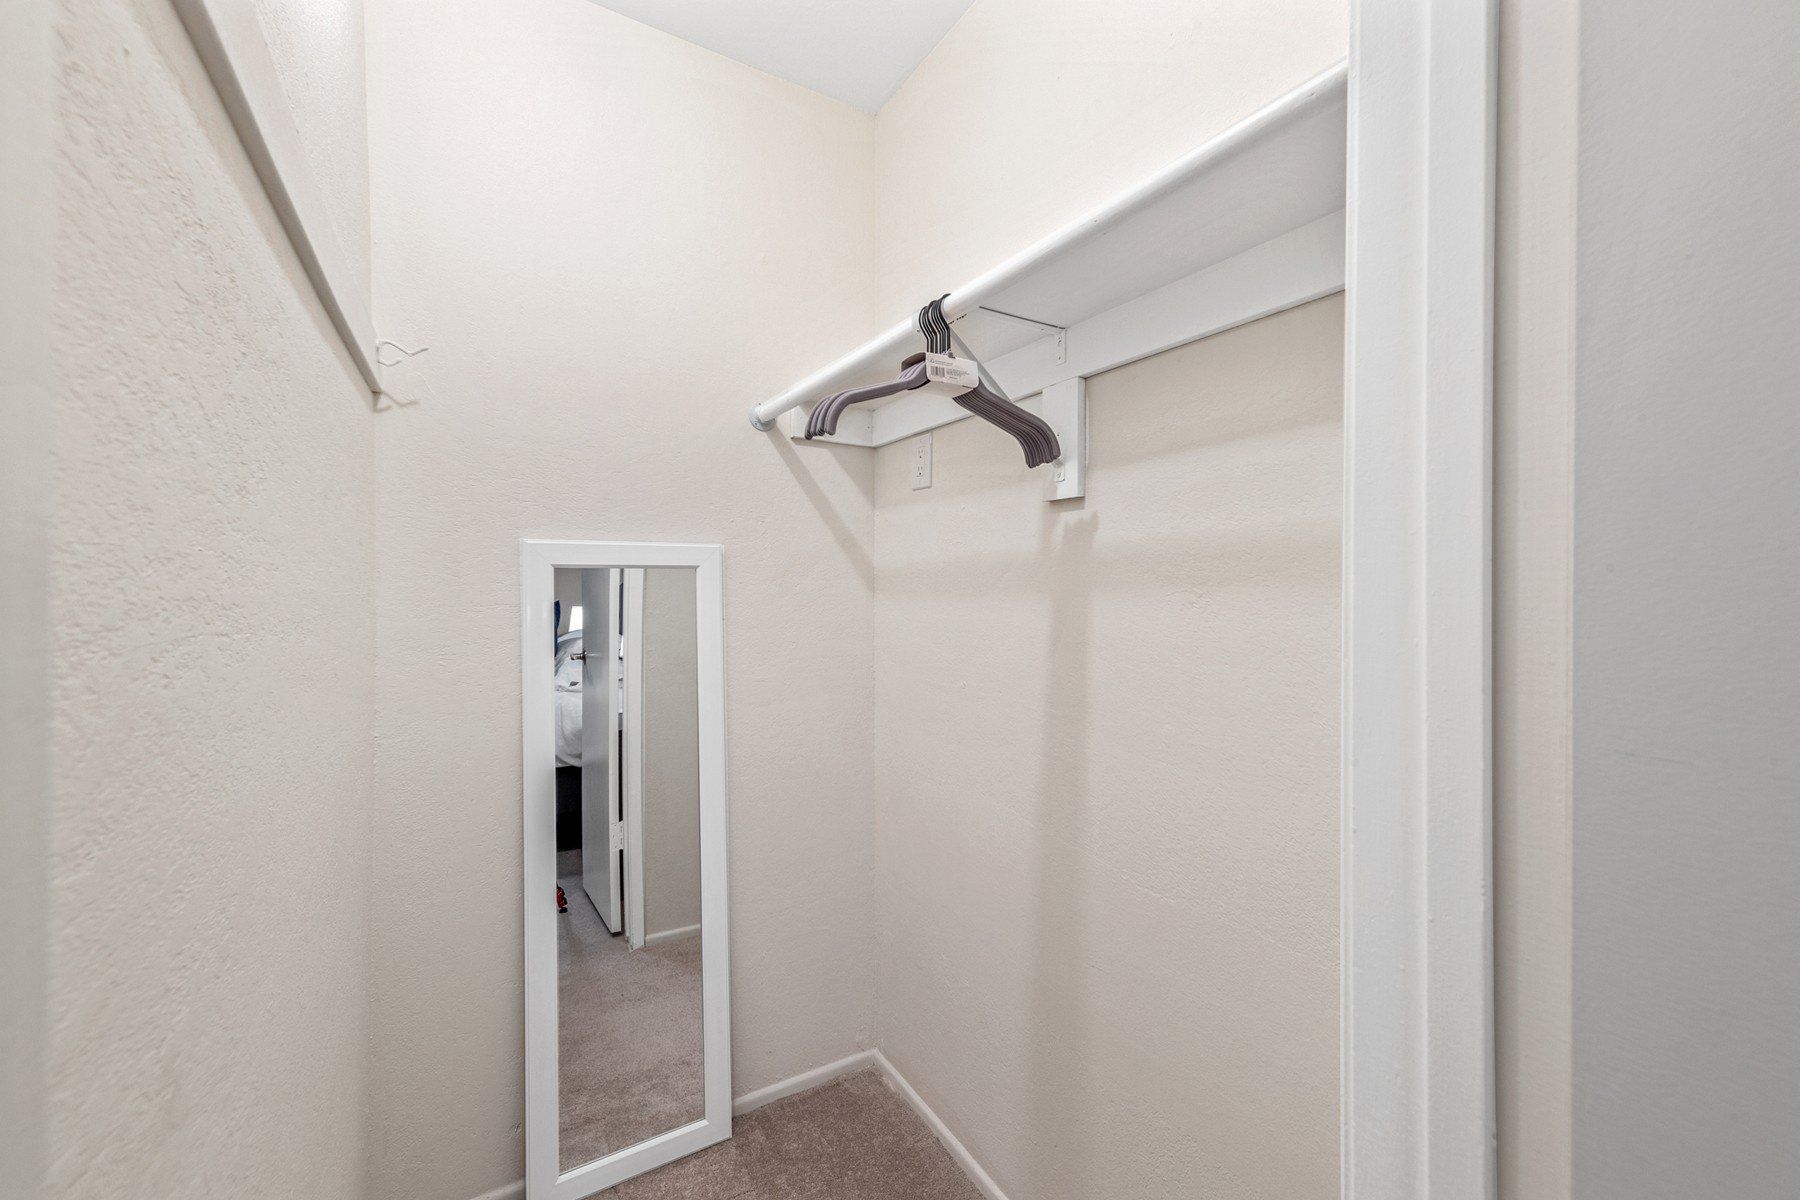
column 626, row 1009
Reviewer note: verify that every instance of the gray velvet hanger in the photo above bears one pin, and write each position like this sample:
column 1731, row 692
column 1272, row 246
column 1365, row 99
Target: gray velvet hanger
column 824, row 418
column 1035, row 438
column 1034, row 435
column 825, row 414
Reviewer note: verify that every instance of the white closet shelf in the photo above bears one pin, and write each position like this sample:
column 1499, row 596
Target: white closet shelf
column 1246, row 225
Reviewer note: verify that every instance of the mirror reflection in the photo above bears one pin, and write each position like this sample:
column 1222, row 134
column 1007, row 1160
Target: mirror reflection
column 629, row 1059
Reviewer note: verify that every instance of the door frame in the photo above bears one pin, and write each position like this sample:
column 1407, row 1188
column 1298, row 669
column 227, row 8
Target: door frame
column 28, row 173
column 538, row 561
column 1416, row 998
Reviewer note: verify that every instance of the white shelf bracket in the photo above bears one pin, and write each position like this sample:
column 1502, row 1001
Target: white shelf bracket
column 1060, row 333
column 228, row 35
column 1065, row 409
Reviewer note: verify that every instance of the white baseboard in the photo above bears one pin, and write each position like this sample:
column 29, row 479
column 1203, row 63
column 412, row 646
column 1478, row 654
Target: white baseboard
column 511, row 1191
column 974, row 1170
column 671, row 935
column 806, row 1081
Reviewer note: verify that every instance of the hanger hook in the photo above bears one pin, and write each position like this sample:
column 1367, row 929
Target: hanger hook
column 943, row 326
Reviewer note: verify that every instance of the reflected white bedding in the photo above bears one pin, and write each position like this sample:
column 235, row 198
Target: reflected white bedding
column 568, row 700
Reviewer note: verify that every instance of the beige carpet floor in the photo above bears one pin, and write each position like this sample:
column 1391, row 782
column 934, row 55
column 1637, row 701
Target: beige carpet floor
column 854, row 1139
column 628, row 1027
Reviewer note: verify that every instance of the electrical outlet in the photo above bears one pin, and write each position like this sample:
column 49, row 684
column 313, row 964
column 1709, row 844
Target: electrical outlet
column 921, row 462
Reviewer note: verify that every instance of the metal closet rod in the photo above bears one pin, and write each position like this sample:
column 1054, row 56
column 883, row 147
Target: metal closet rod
column 1322, row 89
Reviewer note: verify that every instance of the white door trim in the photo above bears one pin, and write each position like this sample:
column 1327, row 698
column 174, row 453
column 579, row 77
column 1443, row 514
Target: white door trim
column 538, row 561
column 28, row 134
column 1417, row 915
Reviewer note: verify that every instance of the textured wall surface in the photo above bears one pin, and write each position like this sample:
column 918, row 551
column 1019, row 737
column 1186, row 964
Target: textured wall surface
column 1687, row 653
column 609, row 238
column 212, row 582
column 613, row 243
column 317, row 48
column 1107, row 805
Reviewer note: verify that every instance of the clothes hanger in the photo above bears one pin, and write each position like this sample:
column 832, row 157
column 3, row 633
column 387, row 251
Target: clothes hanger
column 826, row 413
column 1034, row 435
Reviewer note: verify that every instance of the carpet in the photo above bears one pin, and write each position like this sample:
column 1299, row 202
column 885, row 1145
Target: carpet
column 629, row 1033
column 852, row 1139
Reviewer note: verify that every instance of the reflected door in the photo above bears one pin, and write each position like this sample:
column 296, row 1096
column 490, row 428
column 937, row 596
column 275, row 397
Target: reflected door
column 630, row 1038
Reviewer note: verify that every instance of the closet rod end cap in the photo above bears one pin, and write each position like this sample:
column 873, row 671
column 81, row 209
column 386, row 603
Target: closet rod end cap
column 757, row 423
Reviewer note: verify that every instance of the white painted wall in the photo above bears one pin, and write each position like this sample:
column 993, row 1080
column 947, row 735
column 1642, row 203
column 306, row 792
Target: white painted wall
column 612, row 242
column 671, row 753
column 1687, row 563
column 317, row 48
column 211, row 588
column 595, row 228
column 209, row 435
column 857, row 53
column 1109, row 907
column 1031, row 112
column 1108, row 781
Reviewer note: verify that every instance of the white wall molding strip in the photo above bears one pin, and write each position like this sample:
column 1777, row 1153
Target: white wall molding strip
column 805, row 1081
column 229, row 39
column 964, row 1159
column 510, row 1191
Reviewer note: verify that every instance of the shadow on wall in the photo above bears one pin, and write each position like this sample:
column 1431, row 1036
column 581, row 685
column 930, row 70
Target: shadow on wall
column 1113, row 770
column 850, row 543
column 1060, row 1083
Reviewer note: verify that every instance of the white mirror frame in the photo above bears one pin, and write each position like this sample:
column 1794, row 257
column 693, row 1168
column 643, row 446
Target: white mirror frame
column 538, row 562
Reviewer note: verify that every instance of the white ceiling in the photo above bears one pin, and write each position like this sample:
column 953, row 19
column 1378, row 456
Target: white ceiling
column 858, row 51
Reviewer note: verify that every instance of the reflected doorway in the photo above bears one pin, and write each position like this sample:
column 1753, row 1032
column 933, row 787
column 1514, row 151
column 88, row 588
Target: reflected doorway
column 629, row 995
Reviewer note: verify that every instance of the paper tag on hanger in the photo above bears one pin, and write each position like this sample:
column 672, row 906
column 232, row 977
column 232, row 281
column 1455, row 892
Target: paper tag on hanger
column 957, row 372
